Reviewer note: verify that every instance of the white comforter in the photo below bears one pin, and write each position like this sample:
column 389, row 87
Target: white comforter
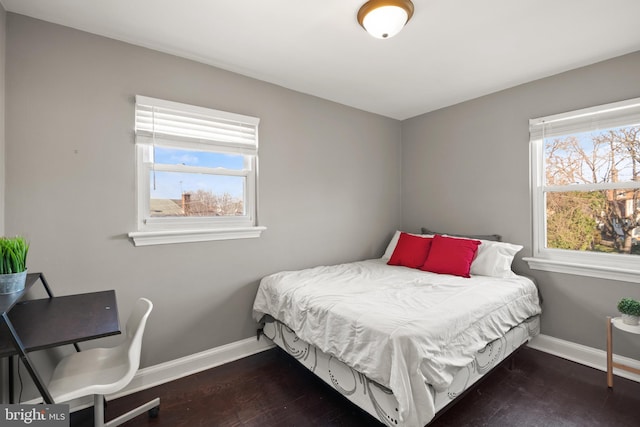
column 401, row 327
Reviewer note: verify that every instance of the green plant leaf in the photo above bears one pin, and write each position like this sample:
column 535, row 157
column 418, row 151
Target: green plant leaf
column 13, row 255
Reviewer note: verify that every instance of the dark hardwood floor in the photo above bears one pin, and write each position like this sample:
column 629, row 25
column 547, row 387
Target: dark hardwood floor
column 272, row 389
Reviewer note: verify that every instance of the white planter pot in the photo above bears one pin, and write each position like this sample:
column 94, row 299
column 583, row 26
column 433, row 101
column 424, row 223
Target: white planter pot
column 628, row 319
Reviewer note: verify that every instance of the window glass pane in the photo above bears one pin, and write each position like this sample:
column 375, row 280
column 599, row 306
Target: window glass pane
column 185, row 194
column 604, row 156
column 178, row 156
column 596, row 221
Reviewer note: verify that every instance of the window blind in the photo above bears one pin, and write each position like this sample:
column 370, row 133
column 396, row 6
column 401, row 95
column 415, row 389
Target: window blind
column 624, row 113
column 160, row 121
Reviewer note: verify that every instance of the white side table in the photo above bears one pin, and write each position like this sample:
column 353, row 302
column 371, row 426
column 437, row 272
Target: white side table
column 619, row 324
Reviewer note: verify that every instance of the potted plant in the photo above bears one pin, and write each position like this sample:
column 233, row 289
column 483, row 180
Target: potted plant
column 13, row 264
column 630, row 310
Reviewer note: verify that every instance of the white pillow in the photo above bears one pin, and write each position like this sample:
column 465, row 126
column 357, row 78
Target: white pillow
column 494, row 259
column 394, row 241
column 391, row 246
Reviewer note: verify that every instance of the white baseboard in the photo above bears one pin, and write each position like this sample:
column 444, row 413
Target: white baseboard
column 169, row 371
column 159, row 374
column 584, row 355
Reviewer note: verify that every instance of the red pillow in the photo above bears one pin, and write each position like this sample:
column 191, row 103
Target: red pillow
column 451, row 256
column 411, row 251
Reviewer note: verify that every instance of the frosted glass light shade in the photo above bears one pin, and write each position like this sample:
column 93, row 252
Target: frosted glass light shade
column 385, row 18
column 385, row 22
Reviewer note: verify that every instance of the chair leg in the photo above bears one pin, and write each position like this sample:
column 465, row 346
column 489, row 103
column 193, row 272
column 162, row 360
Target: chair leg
column 98, row 410
column 155, row 403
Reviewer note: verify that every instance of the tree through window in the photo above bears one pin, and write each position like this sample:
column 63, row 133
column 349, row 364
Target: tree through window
column 585, row 167
column 605, row 220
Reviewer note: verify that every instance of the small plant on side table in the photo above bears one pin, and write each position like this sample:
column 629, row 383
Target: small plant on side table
column 630, row 310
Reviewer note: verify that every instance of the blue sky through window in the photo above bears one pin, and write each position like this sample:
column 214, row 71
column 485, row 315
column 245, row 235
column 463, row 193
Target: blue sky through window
column 171, row 185
column 176, row 156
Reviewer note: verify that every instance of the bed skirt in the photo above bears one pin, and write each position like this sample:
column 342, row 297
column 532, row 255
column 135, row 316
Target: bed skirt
column 379, row 401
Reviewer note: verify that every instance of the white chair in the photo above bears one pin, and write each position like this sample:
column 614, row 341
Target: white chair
column 101, row 371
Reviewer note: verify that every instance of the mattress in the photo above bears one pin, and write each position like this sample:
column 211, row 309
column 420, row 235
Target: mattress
column 406, row 330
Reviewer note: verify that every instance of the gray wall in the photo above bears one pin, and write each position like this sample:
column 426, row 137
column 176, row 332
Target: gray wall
column 329, row 182
column 466, row 169
column 3, row 38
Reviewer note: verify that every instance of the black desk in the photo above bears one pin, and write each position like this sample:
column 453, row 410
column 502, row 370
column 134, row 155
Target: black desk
column 54, row 321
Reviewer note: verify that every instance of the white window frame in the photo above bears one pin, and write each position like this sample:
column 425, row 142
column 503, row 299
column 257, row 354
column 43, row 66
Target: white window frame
column 622, row 267
column 161, row 123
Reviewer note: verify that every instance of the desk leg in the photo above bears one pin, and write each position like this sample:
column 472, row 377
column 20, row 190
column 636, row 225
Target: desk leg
column 11, row 385
column 27, row 361
column 609, row 353
column 46, row 285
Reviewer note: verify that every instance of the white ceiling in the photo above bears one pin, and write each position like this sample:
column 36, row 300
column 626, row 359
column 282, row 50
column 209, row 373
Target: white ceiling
column 450, row 51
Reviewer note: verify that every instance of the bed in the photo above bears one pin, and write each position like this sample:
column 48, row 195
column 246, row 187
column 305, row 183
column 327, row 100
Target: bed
column 400, row 341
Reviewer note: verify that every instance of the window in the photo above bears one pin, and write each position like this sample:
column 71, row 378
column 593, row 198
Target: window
column 196, row 173
column 586, row 191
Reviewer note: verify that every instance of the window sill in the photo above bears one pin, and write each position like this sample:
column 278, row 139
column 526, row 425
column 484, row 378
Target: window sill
column 148, row 238
column 581, row 269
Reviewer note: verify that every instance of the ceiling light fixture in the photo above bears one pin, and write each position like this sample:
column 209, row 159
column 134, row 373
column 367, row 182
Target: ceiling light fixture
column 385, row 18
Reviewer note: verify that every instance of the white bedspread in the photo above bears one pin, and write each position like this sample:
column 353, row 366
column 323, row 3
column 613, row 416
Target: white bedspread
column 401, row 327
